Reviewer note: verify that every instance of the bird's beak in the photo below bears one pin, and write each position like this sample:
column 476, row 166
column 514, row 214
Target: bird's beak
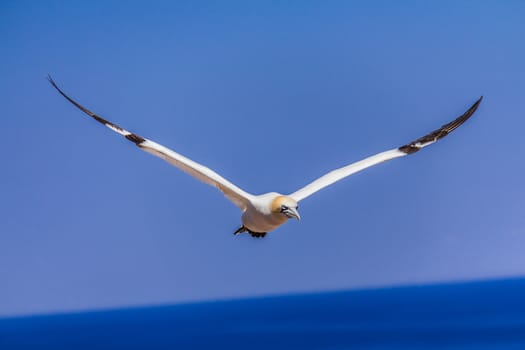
column 293, row 213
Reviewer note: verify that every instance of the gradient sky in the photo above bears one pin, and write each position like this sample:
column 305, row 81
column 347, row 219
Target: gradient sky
column 271, row 95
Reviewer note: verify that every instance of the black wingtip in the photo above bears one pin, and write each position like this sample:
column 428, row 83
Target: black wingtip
column 130, row 136
column 54, row 84
column 476, row 104
column 463, row 118
column 50, row 79
column 479, row 101
column 75, row 103
column 474, row 107
column 438, row 134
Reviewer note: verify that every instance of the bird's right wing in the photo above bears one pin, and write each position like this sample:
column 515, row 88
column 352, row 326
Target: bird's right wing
column 239, row 197
column 402, row 151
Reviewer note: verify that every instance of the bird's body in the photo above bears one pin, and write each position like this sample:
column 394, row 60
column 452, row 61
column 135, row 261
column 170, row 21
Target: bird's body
column 264, row 213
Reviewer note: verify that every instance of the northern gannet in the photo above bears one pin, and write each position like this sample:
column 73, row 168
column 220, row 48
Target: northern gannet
column 264, row 213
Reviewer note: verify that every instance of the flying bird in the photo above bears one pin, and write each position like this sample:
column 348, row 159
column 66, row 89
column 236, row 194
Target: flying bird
column 264, row 213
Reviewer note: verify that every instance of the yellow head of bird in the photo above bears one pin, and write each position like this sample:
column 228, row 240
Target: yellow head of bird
column 286, row 206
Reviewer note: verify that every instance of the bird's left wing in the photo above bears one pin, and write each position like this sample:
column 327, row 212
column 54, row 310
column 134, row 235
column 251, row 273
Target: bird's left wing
column 239, row 197
column 402, row 151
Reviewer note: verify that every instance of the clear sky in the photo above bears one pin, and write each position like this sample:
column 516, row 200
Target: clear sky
column 271, row 95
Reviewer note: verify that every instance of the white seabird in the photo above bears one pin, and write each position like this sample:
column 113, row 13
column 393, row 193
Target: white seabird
column 264, row 213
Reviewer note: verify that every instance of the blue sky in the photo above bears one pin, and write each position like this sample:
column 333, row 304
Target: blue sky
column 271, row 95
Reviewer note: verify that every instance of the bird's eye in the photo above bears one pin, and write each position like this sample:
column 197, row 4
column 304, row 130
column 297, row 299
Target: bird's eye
column 283, row 208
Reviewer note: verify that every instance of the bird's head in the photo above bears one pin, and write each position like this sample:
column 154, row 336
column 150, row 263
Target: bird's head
column 286, row 206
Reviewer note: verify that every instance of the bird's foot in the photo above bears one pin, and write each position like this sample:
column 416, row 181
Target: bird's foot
column 252, row 233
column 257, row 234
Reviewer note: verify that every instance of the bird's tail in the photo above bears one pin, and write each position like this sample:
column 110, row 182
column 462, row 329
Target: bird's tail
column 240, row 230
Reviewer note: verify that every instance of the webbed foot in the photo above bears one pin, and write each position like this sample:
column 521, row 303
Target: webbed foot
column 252, row 233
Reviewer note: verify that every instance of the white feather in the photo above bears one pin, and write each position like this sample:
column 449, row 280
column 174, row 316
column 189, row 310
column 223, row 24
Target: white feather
column 341, row 173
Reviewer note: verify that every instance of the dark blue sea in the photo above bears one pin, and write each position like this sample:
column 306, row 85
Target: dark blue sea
column 479, row 315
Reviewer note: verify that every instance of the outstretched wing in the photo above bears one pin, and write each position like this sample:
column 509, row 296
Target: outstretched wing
column 402, row 151
column 239, row 197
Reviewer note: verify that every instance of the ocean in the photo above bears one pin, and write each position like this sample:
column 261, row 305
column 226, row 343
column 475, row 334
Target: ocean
column 475, row 315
